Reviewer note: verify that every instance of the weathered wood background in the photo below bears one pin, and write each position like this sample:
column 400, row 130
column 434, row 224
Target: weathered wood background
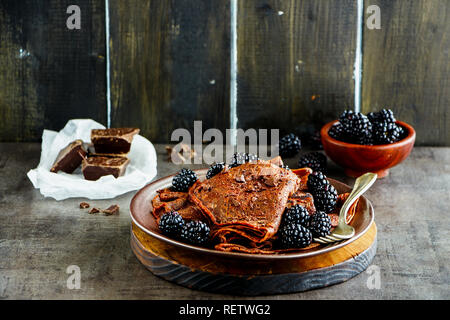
column 48, row 73
column 170, row 64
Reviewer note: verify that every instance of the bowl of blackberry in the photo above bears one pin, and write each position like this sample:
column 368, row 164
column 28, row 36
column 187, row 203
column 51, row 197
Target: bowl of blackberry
column 362, row 143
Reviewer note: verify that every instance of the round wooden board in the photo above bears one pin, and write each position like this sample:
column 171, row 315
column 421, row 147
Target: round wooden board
column 250, row 277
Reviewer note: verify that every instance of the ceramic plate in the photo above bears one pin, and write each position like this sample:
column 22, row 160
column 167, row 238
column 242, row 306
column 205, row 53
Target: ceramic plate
column 141, row 207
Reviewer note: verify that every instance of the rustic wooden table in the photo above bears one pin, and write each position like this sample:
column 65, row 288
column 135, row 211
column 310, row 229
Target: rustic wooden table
column 40, row 238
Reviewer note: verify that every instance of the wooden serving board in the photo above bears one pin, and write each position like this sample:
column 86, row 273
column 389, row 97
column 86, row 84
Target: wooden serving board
column 217, row 273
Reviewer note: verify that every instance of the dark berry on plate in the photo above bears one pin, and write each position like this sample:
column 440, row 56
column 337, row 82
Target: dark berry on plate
column 289, row 145
column 215, row 169
column 171, row 223
column 195, row 232
column 295, row 236
column 296, row 215
column 337, row 131
column 386, row 132
column 285, row 166
column 325, row 199
column 241, row 158
column 320, row 224
column 183, row 180
column 316, row 181
column 314, row 160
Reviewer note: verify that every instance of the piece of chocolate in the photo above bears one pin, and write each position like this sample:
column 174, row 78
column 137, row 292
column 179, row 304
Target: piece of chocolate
column 95, row 167
column 94, row 210
column 84, row 205
column 114, row 141
column 113, row 209
column 70, row 157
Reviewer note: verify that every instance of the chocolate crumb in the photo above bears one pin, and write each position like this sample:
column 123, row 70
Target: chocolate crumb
column 180, row 153
column 94, row 210
column 84, row 205
column 113, row 209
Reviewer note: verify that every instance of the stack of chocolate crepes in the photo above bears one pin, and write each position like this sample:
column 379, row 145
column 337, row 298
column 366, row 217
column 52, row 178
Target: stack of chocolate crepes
column 243, row 205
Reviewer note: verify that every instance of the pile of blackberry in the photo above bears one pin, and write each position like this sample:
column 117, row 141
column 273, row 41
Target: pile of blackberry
column 298, row 227
column 194, row 232
column 375, row 128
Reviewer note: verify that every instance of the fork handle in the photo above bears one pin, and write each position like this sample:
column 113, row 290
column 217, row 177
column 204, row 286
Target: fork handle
column 361, row 185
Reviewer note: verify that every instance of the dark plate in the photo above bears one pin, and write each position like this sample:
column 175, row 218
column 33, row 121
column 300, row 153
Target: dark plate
column 141, row 207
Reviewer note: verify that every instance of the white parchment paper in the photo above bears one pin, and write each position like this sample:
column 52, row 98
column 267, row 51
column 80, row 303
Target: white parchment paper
column 140, row 171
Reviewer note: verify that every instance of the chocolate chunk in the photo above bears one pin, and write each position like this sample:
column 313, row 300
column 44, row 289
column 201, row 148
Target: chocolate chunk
column 70, row 157
column 113, row 141
column 94, row 210
column 95, row 167
column 111, row 210
column 84, row 205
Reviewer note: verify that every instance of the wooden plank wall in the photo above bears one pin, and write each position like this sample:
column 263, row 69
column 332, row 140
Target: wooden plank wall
column 48, row 73
column 170, row 65
column 407, row 66
column 295, row 61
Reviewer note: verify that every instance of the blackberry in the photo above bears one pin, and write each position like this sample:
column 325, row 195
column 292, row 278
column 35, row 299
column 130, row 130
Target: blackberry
column 365, row 139
column 356, row 125
column 320, row 224
column 337, row 131
column 385, row 115
column 373, row 117
column 296, row 215
column 386, row 132
column 295, row 236
column 403, row 132
column 215, row 169
column 325, row 198
column 316, row 181
column 314, row 160
column 195, row 232
column 346, row 115
column 241, row 158
column 183, row 180
column 171, row 223
column 289, row 145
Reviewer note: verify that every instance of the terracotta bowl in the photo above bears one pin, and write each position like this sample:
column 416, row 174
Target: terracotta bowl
column 358, row 159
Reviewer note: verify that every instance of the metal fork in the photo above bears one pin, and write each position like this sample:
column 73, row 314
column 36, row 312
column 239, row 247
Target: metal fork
column 343, row 231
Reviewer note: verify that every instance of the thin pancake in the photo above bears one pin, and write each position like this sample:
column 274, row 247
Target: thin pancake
column 252, row 196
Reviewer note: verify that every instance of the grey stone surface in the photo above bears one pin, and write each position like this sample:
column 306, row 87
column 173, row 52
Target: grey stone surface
column 41, row 237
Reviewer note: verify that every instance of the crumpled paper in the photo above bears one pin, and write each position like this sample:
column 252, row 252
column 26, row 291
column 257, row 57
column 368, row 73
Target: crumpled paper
column 140, row 171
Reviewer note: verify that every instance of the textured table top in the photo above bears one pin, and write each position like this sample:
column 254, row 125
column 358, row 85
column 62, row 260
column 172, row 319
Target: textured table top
column 41, row 237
